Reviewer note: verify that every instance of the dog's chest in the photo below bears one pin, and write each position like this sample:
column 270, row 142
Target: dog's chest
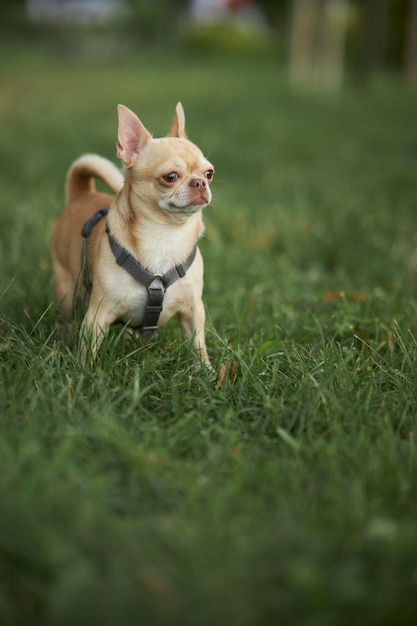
column 162, row 248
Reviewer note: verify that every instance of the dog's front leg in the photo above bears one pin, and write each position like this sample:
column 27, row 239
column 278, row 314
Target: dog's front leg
column 192, row 324
column 95, row 325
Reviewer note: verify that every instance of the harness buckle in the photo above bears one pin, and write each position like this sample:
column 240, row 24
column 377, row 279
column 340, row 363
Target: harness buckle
column 158, row 277
column 147, row 331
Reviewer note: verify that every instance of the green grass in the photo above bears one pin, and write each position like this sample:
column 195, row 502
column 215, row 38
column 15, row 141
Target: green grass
column 285, row 492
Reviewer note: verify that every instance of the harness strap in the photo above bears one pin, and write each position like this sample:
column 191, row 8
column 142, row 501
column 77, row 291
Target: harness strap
column 142, row 275
column 86, row 232
column 156, row 284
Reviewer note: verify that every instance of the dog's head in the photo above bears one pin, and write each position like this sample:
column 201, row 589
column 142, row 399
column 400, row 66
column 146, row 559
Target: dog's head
column 169, row 174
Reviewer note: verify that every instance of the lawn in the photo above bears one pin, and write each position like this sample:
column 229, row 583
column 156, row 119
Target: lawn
column 282, row 491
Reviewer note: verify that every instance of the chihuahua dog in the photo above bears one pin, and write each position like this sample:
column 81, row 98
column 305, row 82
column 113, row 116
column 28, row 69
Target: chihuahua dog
column 136, row 252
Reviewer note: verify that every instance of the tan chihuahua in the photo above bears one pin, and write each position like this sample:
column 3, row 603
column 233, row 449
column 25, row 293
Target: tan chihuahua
column 136, row 252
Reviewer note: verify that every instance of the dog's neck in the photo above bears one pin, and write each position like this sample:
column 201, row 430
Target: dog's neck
column 158, row 240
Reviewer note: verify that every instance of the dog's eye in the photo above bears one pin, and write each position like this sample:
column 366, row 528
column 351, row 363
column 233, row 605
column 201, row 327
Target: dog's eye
column 171, row 177
column 209, row 174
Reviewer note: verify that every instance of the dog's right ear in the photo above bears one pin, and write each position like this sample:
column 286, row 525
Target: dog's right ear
column 132, row 135
column 177, row 128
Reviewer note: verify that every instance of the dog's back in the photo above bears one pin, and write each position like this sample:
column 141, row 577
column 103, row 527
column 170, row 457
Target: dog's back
column 82, row 202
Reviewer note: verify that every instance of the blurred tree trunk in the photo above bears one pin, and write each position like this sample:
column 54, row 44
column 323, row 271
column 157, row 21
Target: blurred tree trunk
column 331, row 48
column 317, row 49
column 411, row 45
column 374, row 38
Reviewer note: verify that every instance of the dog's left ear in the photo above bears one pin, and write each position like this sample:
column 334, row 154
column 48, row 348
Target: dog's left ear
column 132, row 135
column 177, row 128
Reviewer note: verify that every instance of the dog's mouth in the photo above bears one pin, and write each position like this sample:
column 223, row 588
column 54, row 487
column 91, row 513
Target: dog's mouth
column 190, row 208
column 194, row 204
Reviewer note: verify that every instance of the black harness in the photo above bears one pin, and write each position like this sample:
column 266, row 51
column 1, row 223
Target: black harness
column 156, row 284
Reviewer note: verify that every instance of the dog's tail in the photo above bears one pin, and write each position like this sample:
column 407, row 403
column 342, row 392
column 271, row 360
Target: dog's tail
column 81, row 175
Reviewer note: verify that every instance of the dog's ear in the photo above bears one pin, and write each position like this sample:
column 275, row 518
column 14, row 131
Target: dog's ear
column 177, row 128
column 132, row 135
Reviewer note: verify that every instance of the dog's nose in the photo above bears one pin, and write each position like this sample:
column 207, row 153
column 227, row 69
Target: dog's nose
column 199, row 183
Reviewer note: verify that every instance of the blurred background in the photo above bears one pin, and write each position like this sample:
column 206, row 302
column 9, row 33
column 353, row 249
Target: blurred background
column 322, row 43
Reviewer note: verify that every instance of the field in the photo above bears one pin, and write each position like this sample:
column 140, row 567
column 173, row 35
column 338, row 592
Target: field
column 284, row 489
